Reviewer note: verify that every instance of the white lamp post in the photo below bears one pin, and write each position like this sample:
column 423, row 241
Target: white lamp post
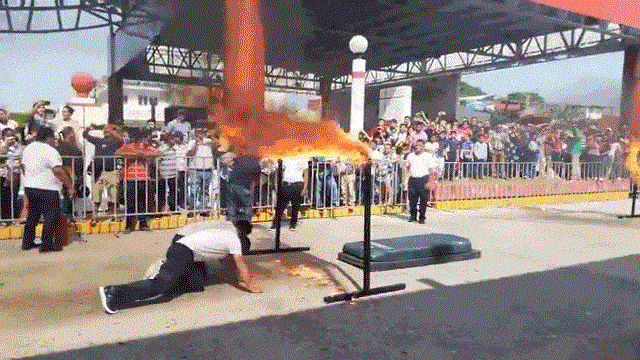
column 358, row 45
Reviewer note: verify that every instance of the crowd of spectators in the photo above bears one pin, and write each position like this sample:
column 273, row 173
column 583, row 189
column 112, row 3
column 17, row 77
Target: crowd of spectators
column 161, row 169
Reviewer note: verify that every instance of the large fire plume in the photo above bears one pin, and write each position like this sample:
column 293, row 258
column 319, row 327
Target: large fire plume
column 631, row 74
column 238, row 110
column 632, row 161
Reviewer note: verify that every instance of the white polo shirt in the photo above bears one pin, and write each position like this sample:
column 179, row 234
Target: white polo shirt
column 38, row 160
column 419, row 165
column 212, row 244
column 294, row 169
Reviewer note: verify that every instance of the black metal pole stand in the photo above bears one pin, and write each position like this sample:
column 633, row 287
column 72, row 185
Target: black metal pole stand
column 366, row 283
column 277, row 248
column 633, row 194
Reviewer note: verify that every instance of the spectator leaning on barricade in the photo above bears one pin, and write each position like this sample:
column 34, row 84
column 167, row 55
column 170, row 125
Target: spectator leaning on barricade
column 44, row 174
column 450, row 150
column 139, row 157
column 72, row 162
column 347, row 173
column 466, row 157
column 11, row 152
column 201, row 168
column 168, row 173
column 106, row 176
column 181, row 146
column 480, row 155
column 385, row 174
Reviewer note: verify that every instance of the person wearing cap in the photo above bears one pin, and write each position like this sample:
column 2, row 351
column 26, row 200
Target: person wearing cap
column 183, row 271
column 179, row 124
column 44, row 176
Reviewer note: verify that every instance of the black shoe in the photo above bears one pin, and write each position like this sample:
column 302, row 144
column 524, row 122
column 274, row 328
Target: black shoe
column 145, row 228
column 273, row 227
column 412, row 220
column 30, row 246
column 292, row 227
column 421, row 221
column 106, row 298
column 51, row 249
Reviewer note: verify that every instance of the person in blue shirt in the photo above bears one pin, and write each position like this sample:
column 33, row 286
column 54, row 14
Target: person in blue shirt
column 466, row 156
column 179, row 124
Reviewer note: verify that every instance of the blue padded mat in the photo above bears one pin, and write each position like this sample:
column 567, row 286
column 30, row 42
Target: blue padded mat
column 411, row 247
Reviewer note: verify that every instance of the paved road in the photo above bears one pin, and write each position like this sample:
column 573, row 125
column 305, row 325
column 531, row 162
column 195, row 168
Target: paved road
column 554, row 282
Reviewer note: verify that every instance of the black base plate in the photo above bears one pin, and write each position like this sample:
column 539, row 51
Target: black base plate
column 276, row 251
column 363, row 293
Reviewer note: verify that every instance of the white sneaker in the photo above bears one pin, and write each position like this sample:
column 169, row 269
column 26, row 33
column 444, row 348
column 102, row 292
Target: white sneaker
column 106, row 297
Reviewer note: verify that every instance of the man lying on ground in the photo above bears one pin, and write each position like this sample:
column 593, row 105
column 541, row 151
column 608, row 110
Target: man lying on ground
column 184, row 265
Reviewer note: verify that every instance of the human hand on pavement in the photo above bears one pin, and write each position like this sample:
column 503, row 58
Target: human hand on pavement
column 251, row 287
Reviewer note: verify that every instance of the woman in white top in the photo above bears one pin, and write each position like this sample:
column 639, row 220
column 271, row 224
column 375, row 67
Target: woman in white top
column 43, row 179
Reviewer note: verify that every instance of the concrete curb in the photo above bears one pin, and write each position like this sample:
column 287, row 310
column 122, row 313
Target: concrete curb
column 176, row 221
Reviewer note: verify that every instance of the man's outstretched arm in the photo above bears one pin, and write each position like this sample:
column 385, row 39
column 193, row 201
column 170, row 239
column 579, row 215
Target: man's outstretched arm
column 244, row 277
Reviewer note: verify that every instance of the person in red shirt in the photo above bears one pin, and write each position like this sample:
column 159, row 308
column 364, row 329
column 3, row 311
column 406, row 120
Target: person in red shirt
column 139, row 158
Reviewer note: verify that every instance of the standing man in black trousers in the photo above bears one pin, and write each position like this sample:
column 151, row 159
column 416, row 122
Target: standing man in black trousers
column 244, row 174
column 295, row 186
column 44, row 176
column 420, row 163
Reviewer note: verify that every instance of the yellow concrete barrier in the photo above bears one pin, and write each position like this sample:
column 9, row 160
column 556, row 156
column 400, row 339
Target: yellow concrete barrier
column 16, row 231
column 534, row 200
column 5, row 232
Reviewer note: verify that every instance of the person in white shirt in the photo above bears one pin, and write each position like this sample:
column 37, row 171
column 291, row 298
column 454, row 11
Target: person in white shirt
column 64, row 120
column 295, row 186
column 420, row 164
column 43, row 179
column 201, row 168
column 190, row 247
column 5, row 122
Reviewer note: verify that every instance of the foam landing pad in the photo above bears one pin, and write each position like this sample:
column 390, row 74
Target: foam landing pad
column 410, row 251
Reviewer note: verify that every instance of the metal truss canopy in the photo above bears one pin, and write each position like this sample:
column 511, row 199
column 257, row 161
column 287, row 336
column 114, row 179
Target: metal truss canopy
column 194, row 64
column 307, row 39
column 49, row 16
column 549, row 47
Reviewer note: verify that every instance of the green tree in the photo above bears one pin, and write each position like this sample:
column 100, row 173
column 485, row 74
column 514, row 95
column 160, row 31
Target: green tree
column 522, row 97
column 20, row 118
column 469, row 90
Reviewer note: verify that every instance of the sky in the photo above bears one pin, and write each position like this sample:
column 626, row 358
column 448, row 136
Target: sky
column 34, row 67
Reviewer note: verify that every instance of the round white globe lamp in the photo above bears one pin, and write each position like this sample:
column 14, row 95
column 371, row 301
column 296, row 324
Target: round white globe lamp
column 358, row 44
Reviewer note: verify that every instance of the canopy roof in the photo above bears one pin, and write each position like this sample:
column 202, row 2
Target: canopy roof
column 311, row 36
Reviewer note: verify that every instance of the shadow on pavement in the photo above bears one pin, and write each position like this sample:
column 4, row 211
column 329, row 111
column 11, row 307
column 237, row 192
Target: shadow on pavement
column 589, row 311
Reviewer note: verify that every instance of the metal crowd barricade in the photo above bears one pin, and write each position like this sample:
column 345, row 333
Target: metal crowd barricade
column 189, row 189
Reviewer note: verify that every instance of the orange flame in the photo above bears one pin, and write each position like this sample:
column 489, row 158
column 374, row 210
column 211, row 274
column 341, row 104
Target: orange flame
column 632, row 160
column 240, row 114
